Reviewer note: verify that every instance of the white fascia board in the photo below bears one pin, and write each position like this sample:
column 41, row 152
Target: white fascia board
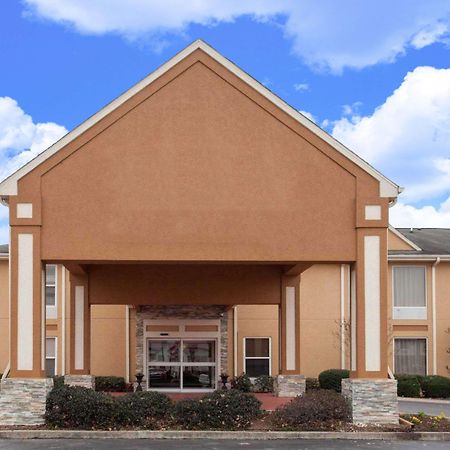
column 387, row 187
column 404, row 238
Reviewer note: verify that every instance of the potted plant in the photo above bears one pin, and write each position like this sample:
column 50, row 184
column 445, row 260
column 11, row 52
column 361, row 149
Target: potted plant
column 224, row 379
column 139, row 378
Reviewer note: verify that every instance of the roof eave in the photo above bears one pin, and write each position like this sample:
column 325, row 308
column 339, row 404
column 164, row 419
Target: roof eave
column 387, row 188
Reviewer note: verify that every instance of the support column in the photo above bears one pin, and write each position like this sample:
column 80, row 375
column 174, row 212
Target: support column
column 290, row 383
column 23, row 394
column 372, row 396
column 80, row 328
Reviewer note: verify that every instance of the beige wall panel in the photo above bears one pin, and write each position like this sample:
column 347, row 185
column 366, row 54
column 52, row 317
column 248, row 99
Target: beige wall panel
column 320, row 296
column 443, row 317
column 320, row 346
column 265, row 326
column 396, row 243
column 108, row 340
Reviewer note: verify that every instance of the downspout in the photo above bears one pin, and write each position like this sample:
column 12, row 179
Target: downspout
column 235, row 342
column 433, row 300
column 127, row 343
column 63, row 321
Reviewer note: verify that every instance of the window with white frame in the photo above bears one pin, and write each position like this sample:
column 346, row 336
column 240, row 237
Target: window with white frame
column 257, row 354
column 50, row 356
column 50, row 291
column 410, row 356
column 409, row 292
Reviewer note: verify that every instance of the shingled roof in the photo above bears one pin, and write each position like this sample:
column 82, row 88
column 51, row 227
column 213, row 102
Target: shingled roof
column 432, row 241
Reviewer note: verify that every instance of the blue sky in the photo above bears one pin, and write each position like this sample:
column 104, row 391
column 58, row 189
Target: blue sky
column 374, row 75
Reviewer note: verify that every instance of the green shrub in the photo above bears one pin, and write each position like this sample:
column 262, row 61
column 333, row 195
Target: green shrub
column 242, row 383
column 221, row 410
column 143, row 409
column 110, row 384
column 435, row 386
column 58, row 381
column 81, row 408
column 407, row 386
column 312, row 384
column 315, row 410
column 263, row 383
column 331, row 379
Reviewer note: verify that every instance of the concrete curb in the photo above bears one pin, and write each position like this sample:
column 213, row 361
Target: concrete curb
column 241, row 435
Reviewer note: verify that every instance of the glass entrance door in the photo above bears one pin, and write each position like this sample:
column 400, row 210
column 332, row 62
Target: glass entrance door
column 181, row 364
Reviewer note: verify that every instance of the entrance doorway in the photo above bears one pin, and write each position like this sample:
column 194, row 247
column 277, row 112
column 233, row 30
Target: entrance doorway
column 182, row 364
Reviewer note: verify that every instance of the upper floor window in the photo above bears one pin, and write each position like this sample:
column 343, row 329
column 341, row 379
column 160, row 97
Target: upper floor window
column 409, row 292
column 50, row 290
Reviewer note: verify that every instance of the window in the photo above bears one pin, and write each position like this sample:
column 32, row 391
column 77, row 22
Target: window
column 50, row 290
column 50, row 356
column 410, row 356
column 257, row 356
column 182, row 364
column 409, row 292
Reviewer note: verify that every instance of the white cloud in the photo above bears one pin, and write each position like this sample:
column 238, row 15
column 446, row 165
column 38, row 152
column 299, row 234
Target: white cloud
column 408, row 136
column 405, row 216
column 326, row 35
column 301, row 87
column 4, row 227
column 20, row 138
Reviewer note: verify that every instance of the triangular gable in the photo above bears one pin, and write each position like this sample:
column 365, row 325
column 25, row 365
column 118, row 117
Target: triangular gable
column 397, row 241
column 387, row 188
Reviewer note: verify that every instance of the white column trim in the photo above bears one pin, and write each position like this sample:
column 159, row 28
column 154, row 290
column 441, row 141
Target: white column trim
column 127, row 343
column 291, row 338
column 79, row 328
column 342, row 320
column 353, row 318
column 63, row 320
column 372, row 303
column 25, row 302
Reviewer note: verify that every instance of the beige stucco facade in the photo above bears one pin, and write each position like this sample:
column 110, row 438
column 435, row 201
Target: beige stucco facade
column 324, row 323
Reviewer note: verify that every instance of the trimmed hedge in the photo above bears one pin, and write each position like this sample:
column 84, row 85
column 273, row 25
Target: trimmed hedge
column 435, row 386
column 315, row 410
column 110, row 384
column 331, row 379
column 407, row 386
column 263, row 383
column 76, row 407
column 80, row 408
column 221, row 410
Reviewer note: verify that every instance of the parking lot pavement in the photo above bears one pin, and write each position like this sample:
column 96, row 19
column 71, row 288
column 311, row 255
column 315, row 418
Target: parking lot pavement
column 433, row 408
column 190, row 444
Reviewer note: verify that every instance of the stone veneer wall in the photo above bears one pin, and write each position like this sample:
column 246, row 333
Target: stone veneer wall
column 22, row 400
column 183, row 312
column 289, row 385
column 372, row 401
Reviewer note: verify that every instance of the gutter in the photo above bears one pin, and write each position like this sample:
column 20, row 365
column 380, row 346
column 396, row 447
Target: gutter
column 412, row 257
column 433, row 300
